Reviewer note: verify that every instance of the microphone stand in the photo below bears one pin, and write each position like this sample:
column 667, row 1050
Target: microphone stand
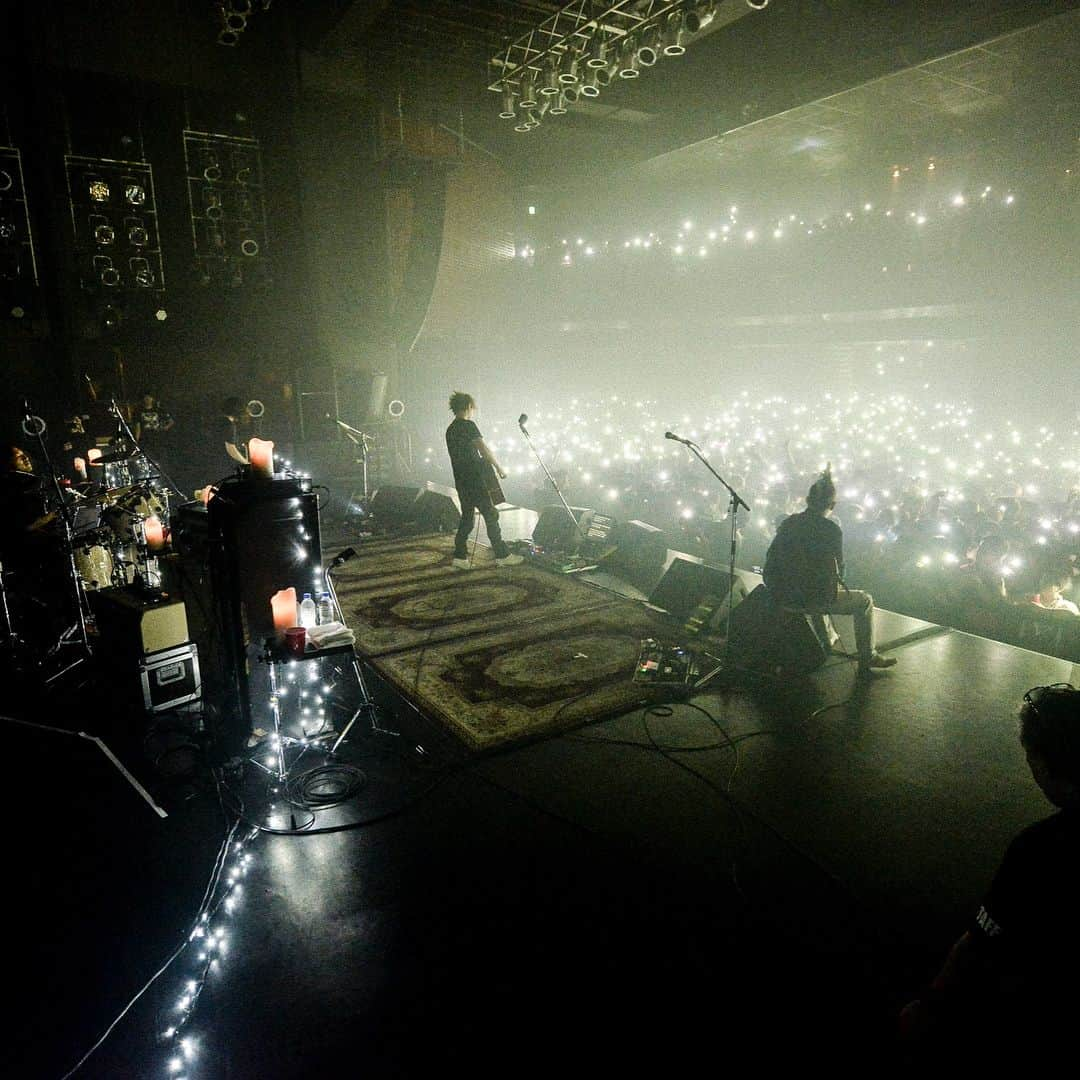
column 551, row 480
column 123, row 426
column 360, row 439
column 734, row 502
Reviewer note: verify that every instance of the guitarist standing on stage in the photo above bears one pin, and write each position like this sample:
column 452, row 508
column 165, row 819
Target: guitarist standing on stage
column 475, row 471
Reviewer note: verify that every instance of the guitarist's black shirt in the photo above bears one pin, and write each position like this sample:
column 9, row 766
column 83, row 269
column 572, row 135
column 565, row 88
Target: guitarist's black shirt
column 465, row 459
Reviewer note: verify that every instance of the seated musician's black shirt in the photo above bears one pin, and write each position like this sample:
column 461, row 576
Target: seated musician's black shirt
column 1029, row 914
column 465, row 458
column 804, row 559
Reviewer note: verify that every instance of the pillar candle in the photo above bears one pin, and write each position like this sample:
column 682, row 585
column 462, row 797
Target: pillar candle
column 261, row 457
column 283, row 604
column 204, row 495
column 80, row 468
column 93, row 455
column 154, row 532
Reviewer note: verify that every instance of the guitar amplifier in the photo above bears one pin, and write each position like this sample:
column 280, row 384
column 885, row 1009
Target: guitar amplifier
column 170, row 678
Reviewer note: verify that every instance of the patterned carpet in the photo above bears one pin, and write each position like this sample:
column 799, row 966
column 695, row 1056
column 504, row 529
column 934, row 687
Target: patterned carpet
column 498, row 655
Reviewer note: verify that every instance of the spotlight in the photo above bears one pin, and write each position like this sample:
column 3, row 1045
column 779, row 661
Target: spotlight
column 528, row 93
column 551, row 78
column 697, row 18
column 649, row 51
column 7, row 181
column 598, row 57
column 558, row 106
column 571, row 94
column 604, row 76
column 569, row 74
column 138, row 236
column 144, row 276
column 590, row 87
column 229, row 38
column 134, row 193
column 674, row 32
column 757, row 5
column 628, row 62
column 250, row 247
column 98, row 190
column 104, row 234
column 508, row 112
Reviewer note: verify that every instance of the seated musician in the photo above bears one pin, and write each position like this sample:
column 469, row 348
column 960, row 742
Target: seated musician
column 804, row 569
column 475, row 468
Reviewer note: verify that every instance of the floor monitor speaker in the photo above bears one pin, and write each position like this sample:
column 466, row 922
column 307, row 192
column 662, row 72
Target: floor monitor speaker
column 640, row 552
column 394, row 506
column 554, row 531
column 436, row 510
column 687, row 585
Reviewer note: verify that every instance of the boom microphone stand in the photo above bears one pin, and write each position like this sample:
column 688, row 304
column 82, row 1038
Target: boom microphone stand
column 551, row 479
column 122, row 425
column 735, row 501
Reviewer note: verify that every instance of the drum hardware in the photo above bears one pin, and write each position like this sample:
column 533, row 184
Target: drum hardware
column 76, row 635
column 138, row 451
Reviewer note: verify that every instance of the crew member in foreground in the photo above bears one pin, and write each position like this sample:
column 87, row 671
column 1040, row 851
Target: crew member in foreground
column 804, row 570
column 1010, row 979
column 475, row 469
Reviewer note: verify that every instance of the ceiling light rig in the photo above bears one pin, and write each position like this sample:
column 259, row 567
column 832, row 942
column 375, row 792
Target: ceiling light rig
column 587, row 45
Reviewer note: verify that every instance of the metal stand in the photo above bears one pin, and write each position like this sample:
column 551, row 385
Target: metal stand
column 122, row 424
column 735, row 501
column 76, row 635
column 361, row 440
column 551, row 479
column 366, row 701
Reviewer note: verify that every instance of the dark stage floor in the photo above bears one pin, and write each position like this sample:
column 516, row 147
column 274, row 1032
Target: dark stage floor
column 761, row 875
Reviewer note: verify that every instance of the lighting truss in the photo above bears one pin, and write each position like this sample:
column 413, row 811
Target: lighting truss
column 569, row 33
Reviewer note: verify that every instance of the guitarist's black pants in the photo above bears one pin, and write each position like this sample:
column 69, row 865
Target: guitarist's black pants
column 470, row 504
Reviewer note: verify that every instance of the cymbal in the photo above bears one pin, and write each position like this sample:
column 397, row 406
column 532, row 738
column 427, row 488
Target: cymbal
column 42, row 522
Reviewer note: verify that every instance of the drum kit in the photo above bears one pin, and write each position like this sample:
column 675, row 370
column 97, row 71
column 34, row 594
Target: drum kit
column 65, row 541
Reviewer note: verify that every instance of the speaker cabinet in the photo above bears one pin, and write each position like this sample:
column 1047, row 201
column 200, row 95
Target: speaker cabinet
column 554, row 531
column 640, row 552
column 393, row 506
column 687, row 585
column 436, row 510
column 131, row 625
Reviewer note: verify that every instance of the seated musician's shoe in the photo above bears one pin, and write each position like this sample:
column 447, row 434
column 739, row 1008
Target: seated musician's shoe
column 462, row 564
column 876, row 663
column 509, row 560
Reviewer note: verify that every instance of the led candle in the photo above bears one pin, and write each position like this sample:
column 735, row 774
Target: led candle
column 261, row 457
column 283, row 604
column 154, row 532
column 80, row 468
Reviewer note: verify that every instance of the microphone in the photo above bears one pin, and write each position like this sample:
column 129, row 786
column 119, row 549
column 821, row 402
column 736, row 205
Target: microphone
column 343, row 557
column 521, row 420
column 671, row 435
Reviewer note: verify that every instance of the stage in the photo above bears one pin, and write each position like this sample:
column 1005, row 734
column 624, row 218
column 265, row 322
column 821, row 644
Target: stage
column 761, row 872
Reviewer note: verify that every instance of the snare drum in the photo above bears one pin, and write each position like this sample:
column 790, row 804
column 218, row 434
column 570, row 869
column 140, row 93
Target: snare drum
column 93, row 560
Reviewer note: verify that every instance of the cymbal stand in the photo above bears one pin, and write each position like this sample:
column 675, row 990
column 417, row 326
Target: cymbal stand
column 34, row 426
column 122, row 426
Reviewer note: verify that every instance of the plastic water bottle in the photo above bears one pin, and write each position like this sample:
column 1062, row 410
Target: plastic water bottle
column 308, row 612
column 326, row 609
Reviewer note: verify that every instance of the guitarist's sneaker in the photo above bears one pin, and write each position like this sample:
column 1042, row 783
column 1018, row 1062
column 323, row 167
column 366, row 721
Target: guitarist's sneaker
column 506, row 560
column 462, row 564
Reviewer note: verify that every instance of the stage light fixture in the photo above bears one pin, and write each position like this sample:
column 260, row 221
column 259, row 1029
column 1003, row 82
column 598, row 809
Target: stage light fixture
column 551, row 78
column 649, row 50
column 571, row 94
column 605, row 75
column 250, row 247
column 590, row 88
column 523, row 126
column 699, row 16
column 508, row 112
column 98, row 190
column 558, row 105
column 757, row 5
column 569, row 73
column 598, row 50
column 674, row 32
column 528, row 93
column 134, row 194
column 628, row 61
column 104, row 234
column 228, row 38
column 7, row 181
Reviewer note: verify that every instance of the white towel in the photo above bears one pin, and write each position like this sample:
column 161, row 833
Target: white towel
column 329, row 634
